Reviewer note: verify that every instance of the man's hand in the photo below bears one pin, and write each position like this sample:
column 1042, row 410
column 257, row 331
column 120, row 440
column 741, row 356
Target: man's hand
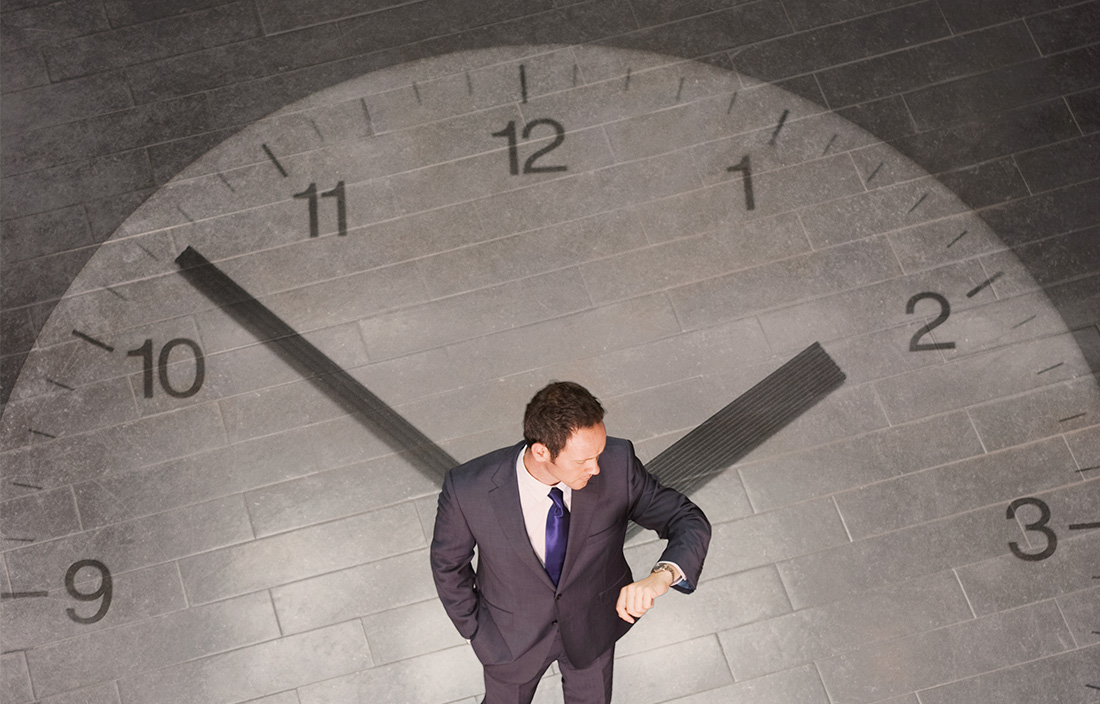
column 637, row 598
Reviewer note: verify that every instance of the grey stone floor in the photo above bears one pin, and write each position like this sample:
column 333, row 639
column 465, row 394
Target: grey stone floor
column 264, row 546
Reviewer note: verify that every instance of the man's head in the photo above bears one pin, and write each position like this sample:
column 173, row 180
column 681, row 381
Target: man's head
column 556, row 411
column 563, row 427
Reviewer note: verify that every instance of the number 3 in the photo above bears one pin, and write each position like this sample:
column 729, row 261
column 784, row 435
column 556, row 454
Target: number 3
column 1039, row 526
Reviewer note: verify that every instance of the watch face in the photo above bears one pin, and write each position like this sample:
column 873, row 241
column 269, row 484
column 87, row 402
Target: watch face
column 184, row 505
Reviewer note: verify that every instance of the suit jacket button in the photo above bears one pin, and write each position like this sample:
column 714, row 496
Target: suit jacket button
column 557, row 597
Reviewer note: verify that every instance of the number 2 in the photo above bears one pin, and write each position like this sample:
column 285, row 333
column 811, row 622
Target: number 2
column 915, row 345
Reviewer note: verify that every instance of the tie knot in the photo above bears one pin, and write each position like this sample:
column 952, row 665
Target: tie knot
column 558, row 498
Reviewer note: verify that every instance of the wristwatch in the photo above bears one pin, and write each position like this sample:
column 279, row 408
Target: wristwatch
column 667, row 567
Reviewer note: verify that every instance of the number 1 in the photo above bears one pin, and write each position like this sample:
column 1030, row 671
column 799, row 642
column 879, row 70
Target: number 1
column 746, row 176
column 341, row 208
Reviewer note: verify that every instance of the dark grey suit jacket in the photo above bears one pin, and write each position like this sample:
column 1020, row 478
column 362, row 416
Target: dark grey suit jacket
column 508, row 606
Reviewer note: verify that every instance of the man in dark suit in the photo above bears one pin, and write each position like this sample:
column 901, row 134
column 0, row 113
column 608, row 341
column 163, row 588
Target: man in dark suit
column 548, row 517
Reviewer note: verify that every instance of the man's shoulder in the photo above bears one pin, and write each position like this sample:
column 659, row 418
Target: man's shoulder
column 485, row 464
column 618, row 445
column 617, row 449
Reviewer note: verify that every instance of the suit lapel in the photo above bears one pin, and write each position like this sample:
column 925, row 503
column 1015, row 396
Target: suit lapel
column 584, row 505
column 504, row 498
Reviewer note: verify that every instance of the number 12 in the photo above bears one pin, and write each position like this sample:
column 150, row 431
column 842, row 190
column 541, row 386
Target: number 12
column 529, row 167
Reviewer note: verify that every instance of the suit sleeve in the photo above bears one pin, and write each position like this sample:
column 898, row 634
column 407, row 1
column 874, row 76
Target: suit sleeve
column 674, row 517
column 452, row 553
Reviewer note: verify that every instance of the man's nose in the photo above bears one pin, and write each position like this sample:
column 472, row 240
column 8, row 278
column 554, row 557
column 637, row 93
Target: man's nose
column 595, row 468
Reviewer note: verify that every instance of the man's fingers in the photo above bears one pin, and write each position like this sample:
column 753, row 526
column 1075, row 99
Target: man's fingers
column 642, row 602
column 633, row 602
column 620, row 605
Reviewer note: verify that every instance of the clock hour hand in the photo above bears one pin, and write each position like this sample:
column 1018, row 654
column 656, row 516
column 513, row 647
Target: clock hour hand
column 747, row 421
column 389, row 426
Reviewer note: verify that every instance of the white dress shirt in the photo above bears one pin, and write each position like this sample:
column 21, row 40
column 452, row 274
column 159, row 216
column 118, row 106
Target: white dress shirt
column 534, row 499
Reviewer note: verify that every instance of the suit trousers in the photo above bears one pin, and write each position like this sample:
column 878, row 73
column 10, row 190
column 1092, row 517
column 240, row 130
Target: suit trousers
column 589, row 685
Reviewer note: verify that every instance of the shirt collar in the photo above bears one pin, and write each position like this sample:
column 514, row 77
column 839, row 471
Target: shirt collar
column 534, row 487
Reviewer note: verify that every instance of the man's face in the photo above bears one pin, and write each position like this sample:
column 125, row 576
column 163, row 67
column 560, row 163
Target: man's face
column 579, row 459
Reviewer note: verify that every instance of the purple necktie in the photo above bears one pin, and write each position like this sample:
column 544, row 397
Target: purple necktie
column 557, row 534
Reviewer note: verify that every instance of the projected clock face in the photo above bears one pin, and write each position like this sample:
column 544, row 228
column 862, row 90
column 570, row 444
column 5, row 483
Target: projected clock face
column 458, row 231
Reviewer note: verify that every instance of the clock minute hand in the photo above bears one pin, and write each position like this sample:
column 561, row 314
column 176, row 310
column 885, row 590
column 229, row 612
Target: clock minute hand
column 388, row 425
column 747, row 421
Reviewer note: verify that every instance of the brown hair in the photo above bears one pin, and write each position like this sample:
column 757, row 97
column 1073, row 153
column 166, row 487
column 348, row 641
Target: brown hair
column 556, row 411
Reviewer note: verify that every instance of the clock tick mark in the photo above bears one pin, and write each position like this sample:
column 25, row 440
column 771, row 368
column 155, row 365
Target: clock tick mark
column 151, row 255
column 23, row 485
column 523, row 83
column 626, row 86
column 271, row 156
column 58, row 383
column 227, row 183
column 19, row 539
column 366, row 116
column 575, row 75
column 1044, row 371
column 110, row 290
column 20, row 595
column 1087, row 469
column 919, row 201
column 961, row 235
column 317, row 129
column 88, row 338
column 733, row 99
column 42, row 433
column 184, row 213
column 1023, row 322
column 680, row 89
column 1085, row 526
column 778, row 127
column 988, row 282
column 1073, row 417
column 826, row 149
column 469, row 84
column 416, row 90
column 875, row 172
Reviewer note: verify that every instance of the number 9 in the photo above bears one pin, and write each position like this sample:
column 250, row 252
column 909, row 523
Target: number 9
column 104, row 591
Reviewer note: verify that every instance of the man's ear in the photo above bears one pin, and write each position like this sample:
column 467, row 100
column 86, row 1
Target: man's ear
column 541, row 452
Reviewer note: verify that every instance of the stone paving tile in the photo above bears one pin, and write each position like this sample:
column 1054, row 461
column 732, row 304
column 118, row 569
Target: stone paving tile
column 152, row 644
column 842, row 42
column 1086, row 109
column 134, row 45
column 136, row 597
column 995, row 91
column 38, row 107
column 273, row 666
column 964, row 649
column 1045, row 168
column 1061, row 678
column 1066, row 28
column 38, row 26
column 972, row 14
column 806, row 14
column 718, row 31
column 941, row 59
column 15, row 682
